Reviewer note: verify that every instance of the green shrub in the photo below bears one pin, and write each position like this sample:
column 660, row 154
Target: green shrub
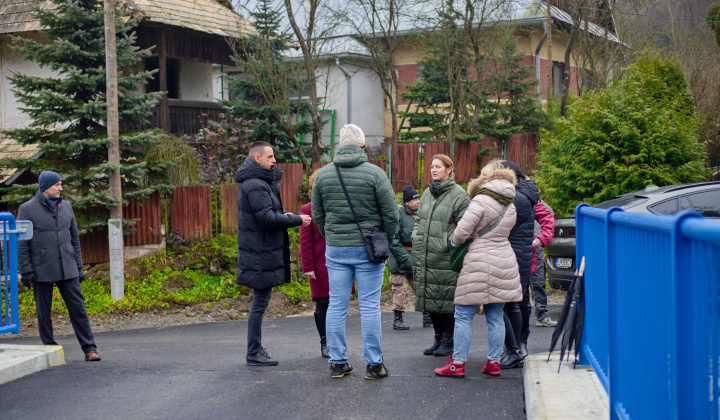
column 640, row 131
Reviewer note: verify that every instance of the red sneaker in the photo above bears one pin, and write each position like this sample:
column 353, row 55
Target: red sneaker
column 452, row 370
column 492, row 368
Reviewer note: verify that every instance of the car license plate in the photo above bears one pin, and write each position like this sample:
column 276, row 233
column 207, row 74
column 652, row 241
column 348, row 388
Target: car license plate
column 563, row 262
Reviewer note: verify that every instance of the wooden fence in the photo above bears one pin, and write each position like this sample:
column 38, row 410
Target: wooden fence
column 521, row 148
column 193, row 209
column 228, row 208
column 405, row 164
column 147, row 212
column 290, row 187
column 94, row 245
column 190, row 211
column 405, row 158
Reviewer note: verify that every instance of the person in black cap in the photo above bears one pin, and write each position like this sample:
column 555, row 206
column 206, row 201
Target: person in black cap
column 401, row 254
column 53, row 257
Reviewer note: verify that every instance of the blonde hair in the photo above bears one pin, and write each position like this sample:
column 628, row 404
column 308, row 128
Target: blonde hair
column 446, row 161
column 491, row 167
column 311, row 180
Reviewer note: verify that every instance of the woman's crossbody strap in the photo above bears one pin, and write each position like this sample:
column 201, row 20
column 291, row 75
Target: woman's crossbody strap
column 347, row 197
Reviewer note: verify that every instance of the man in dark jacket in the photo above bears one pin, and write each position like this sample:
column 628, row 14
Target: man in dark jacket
column 401, row 254
column 53, row 257
column 263, row 243
column 374, row 202
column 517, row 319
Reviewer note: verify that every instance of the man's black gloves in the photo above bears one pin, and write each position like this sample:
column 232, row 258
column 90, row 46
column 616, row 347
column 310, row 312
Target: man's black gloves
column 81, row 276
column 28, row 279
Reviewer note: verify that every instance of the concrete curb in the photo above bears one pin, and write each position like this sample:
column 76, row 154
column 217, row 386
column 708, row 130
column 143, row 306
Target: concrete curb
column 17, row 361
column 571, row 394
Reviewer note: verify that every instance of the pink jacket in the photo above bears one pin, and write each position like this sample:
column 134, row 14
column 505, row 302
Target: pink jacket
column 490, row 270
column 544, row 216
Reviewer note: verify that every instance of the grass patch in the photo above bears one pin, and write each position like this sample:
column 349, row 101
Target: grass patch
column 179, row 276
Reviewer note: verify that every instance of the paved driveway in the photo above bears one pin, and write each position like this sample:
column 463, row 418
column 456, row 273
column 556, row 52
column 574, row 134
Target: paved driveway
column 199, row 372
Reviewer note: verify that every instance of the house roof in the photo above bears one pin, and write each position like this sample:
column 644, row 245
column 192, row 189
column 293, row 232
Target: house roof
column 207, row 16
column 422, row 18
column 540, row 10
column 10, row 148
column 346, row 46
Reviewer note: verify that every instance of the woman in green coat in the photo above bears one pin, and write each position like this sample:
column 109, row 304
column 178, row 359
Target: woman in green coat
column 441, row 206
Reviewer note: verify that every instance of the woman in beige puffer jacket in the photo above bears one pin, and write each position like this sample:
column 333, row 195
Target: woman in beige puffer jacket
column 490, row 272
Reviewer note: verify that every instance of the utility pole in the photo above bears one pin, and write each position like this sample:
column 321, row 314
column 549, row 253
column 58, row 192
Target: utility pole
column 550, row 86
column 115, row 237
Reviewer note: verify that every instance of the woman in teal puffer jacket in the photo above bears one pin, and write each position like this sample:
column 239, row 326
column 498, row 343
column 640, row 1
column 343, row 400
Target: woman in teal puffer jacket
column 441, row 206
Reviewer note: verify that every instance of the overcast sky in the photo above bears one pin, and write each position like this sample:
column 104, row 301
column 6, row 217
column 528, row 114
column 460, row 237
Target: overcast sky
column 410, row 10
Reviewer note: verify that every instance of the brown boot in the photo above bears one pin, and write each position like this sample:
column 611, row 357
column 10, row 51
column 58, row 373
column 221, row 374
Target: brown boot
column 92, row 356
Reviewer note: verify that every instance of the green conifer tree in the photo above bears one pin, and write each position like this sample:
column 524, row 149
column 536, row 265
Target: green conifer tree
column 271, row 96
column 67, row 111
column 443, row 93
column 512, row 82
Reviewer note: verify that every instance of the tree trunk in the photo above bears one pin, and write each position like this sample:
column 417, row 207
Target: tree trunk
column 394, row 104
column 566, row 79
column 310, row 72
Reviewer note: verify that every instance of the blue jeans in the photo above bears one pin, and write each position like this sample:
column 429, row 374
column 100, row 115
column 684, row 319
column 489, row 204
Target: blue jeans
column 345, row 263
column 463, row 330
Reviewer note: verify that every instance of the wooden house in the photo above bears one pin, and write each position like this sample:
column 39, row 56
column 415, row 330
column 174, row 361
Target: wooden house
column 190, row 40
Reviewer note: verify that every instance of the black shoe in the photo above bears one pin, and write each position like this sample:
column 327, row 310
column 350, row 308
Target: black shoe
column 429, row 351
column 399, row 324
column 260, row 358
column 338, row 371
column 376, row 372
column 323, row 348
column 446, row 346
column 511, row 361
column 523, row 350
column 427, row 322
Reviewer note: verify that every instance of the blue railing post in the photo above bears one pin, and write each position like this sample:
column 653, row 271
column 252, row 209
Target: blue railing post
column 591, row 233
column 11, row 315
column 579, row 253
column 697, row 290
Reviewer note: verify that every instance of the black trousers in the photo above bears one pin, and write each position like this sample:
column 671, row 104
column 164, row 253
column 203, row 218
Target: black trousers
column 261, row 299
column 517, row 318
column 537, row 279
column 71, row 294
column 443, row 323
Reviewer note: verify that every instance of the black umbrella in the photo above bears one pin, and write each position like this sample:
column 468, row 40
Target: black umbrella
column 570, row 323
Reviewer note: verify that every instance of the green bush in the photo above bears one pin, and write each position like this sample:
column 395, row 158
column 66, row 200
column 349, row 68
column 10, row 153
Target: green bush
column 640, row 131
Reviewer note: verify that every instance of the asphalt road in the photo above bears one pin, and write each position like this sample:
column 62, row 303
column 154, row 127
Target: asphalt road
column 199, row 372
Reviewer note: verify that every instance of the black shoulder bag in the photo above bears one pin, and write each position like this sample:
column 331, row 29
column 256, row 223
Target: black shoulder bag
column 376, row 243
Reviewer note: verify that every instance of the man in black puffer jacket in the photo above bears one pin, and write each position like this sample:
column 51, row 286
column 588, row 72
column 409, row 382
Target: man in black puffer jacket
column 517, row 314
column 263, row 243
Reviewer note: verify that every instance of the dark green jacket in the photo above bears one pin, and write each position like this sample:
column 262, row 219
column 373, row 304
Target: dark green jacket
column 441, row 206
column 370, row 192
column 401, row 258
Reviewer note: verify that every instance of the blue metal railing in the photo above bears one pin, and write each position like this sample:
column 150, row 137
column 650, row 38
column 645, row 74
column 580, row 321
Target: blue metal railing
column 9, row 314
column 652, row 320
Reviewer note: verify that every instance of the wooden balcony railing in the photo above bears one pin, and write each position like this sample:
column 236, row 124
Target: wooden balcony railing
column 184, row 117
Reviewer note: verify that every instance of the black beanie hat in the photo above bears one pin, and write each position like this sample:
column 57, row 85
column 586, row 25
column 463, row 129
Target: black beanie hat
column 48, row 179
column 409, row 193
column 515, row 168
